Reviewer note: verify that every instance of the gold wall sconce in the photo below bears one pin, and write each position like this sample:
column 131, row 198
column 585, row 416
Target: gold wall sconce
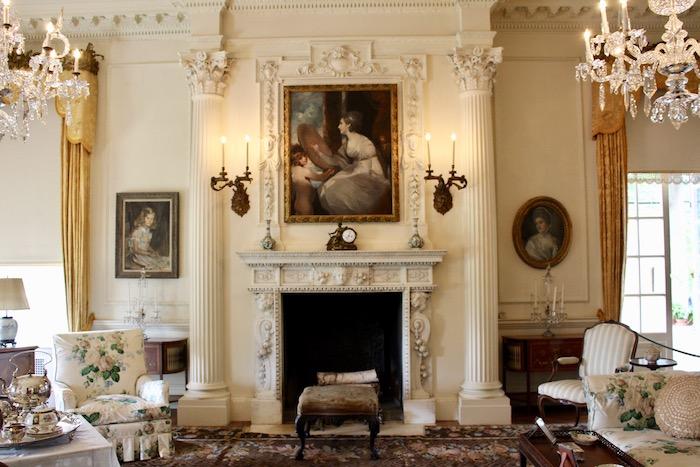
column 442, row 198
column 240, row 201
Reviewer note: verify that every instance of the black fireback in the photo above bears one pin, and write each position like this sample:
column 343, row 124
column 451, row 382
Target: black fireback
column 341, row 333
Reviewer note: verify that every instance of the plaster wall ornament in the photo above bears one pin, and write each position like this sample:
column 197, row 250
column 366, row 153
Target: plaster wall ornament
column 333, row 272
column 475, row 70
column 340, row 61
column 270, row 160
column 265, row 332
column 420, row 331
column 206, row 72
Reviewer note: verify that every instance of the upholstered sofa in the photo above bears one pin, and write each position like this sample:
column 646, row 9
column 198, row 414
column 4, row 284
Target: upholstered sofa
column 621, row 408
column 102, row 376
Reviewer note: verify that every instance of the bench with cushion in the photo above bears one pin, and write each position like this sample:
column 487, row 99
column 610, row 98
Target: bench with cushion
column 337, row 402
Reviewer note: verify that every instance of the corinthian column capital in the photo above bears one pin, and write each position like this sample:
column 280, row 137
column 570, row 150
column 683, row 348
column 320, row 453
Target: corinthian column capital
column 475, row 70
column 206, row 71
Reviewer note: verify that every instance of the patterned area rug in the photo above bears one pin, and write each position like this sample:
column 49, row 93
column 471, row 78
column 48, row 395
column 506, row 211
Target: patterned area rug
column 440, row 446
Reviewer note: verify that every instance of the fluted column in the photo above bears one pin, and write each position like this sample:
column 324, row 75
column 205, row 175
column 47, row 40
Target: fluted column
column 207, row 399
column 481, row 398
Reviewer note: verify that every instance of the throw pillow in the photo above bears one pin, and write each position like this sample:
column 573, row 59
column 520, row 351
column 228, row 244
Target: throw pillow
column 678, row 407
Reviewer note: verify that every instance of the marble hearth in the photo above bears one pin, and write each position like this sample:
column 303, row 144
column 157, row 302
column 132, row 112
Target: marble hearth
column 409, row 272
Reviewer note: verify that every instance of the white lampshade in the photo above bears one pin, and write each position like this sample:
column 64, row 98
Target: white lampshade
column 12, row 296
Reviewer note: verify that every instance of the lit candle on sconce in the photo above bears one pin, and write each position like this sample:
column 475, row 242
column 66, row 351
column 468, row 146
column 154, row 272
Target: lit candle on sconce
column 604, row 18
column 247, row 140
column 76, row 58
column 223, row 152
column 454, row 140
column 428, row 137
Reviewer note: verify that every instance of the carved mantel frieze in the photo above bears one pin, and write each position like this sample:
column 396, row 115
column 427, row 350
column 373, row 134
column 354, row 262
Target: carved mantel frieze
column 206, row 72
column 409, row 272
column 475, row 70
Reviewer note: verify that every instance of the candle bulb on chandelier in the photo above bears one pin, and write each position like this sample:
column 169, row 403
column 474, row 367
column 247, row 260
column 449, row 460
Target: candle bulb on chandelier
column 5, row 11
column 76, row 59
column 624, row 16
column 589, row 52
column 223, row 152
column 428, row 136
column 247, row 140
column 49, row 30
column 454, row 139
column 604, row 18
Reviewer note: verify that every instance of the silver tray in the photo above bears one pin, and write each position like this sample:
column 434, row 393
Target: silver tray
column 68, row 425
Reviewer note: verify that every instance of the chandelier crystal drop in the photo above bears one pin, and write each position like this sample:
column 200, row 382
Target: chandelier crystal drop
column 25, row 92
column 624, row 60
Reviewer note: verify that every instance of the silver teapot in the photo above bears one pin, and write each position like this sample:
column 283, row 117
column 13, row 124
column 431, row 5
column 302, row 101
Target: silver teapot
column 27, row 391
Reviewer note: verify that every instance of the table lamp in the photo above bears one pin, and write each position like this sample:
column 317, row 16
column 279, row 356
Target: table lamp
column 12, row 297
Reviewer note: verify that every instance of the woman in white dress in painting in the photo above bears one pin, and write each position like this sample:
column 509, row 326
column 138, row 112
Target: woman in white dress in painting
column 360, row 187
column 140, row 251
column 543, row 245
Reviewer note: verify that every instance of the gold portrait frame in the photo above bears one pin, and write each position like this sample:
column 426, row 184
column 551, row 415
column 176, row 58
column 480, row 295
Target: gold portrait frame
column 523, row 229
column 393, row 151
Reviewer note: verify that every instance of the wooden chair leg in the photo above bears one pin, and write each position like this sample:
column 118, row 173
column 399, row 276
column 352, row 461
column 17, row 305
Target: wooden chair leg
column 540, row 406
column 373, row 423
column 578, row 415
column 301, row 427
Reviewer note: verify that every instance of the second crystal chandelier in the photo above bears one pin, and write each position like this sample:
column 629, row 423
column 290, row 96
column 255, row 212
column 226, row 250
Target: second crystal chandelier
column 624, row 60
column 24, row 93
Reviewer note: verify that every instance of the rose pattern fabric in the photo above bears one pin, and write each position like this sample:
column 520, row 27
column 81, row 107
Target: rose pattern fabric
column 140, row 440
column 636, row 394
column 121, row 408
column 654, row 448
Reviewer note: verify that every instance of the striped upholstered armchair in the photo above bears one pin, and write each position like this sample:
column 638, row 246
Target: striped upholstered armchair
column 607, row 349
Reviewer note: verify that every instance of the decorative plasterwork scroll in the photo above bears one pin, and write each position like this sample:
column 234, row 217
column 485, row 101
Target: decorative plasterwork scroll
column 409, row 272
column 420, row 331
column 206, row 72
column 343, row 62
column 340, row 61
column 475, row 70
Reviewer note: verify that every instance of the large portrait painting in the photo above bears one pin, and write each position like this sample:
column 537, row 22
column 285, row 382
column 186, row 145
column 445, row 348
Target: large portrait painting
column 341, row 153
column 147, row 235
column 542, row 232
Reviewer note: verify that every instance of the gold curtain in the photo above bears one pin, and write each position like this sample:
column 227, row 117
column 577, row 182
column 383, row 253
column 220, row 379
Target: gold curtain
column 611, row 157
column 77, row 140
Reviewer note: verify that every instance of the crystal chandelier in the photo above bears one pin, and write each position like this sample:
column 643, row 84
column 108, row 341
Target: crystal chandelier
column 24, row 93
column 633, row 64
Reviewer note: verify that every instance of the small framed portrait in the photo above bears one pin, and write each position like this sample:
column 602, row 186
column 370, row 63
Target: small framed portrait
column 341, row 153
column 542, row 232
column 147, row 235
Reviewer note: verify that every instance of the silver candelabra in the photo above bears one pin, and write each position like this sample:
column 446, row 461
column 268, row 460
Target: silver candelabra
column 548, row 303
column 143, row 304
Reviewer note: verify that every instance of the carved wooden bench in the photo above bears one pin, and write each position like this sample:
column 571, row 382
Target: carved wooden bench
column 337, row 402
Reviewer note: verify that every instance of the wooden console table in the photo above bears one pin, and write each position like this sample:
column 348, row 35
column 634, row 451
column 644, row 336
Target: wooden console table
column 165, row 356
column 25, row 362
column 532, row 354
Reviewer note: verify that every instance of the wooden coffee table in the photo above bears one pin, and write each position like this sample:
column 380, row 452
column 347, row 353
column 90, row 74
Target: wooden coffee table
column 541, row 453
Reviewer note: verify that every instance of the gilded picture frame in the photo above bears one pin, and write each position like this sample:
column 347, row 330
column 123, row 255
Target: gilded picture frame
column 542, row 232
column 147, row 235
column 341, row 160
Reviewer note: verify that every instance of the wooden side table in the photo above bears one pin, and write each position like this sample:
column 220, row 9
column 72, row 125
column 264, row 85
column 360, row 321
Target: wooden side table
column 165, row 356
column 24, row 362
column 655, row 365
column 533, row 354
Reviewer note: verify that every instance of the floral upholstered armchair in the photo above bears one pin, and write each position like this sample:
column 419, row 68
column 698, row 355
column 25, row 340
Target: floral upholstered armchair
column 102, row 376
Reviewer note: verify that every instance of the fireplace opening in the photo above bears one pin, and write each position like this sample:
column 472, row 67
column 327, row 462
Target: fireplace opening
column 342, row 333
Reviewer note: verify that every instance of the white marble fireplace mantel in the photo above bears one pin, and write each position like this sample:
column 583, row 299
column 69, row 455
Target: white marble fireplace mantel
column 409, row 272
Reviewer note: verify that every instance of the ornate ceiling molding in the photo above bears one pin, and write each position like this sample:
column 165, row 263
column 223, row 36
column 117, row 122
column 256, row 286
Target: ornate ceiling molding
column 348, row 6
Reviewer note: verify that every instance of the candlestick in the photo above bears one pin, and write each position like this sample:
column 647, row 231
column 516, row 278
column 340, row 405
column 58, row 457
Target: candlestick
column 554, row 299
column 454, row 138
column 76, row 58
column 604, row 18
column 428, row 136
column 589, row 52
column 223, row 152
column 247, row 140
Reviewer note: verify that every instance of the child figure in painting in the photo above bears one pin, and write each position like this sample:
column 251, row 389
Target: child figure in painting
column 140, row 251
column 303, row 175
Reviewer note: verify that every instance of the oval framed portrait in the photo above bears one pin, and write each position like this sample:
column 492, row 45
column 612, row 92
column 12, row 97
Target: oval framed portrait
column 542, row 232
